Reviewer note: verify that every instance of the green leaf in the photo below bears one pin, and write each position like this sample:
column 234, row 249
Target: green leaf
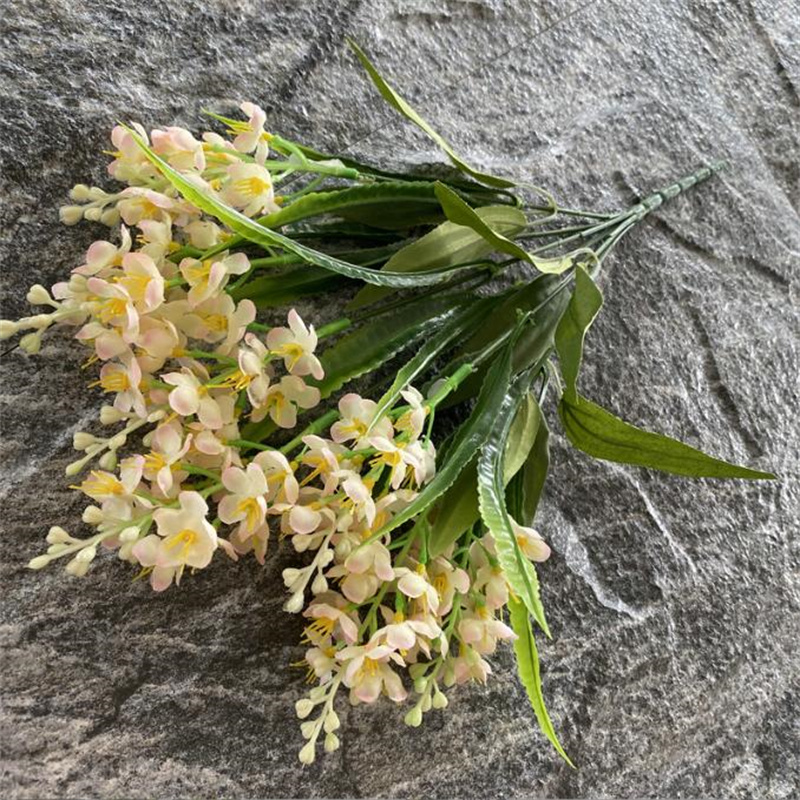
column 381, row 338
column 519, row 571
column 460, row 323
column 599, row 433
column 287, row 286
column 390, row 204
column 534, row 473
column 401, row 105
column 464, row 445
column 459, row 212
column 457, row 510
column 583, row 306
column 546, row 297
column 255, row 232
column 529, row 673
column 446, row 245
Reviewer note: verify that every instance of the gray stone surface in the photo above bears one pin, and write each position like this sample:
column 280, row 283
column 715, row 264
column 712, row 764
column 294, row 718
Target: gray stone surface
column 673, row 669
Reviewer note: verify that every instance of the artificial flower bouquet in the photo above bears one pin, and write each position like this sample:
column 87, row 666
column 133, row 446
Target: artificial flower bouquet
column 411, row 504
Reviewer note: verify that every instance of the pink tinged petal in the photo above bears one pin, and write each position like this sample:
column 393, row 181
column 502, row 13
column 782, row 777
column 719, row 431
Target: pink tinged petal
column 349, row 628
column 184, row 400
column 412, row 585
column 359, row 560
column 470, row 630
column 164, row 479
column 228, row 510
column 304, row 520
column 400, row 637
column 278, row 337
column 237, row 264
column 145, row 551
column 394, row 686
column 356, row 588
column 195, row 505
column 383, row 564
column 369, row 689
column 291, row 489
column 235, row 480
column 209, row 413
column 161, row 578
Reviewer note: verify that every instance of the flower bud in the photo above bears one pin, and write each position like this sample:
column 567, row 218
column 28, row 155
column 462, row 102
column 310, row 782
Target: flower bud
column 332, row 722
column 39, row 562
column 425, row 702
column 319, row 585
column 295, row 603
column 109, row 415
column 307, row 753
column 57, row 535
column 439, row 700
column 92, row 515
column 31, row 342
column 303, row 708
column 156, row 415
column 79, row 192
column 38, row 295
column 96, row 193
column 309, row 728
column 41, row 321
column 70, row 215
column 7, row 328
column 93, row 214
column 110, row 217
column 77, row 567
column 420, row 684
column 414, row 717
column 108, row 460
column 75, row 467
column 331, row 742
column 290, row 576
column 130, row 534
column 55, row 549
column 81, row 440
column 87, row 554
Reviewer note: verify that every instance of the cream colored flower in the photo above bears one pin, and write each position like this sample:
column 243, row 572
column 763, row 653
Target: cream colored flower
column 246, row 503
column 249, row 188
column 296, row 345
column 207, row 278
column 184, row 538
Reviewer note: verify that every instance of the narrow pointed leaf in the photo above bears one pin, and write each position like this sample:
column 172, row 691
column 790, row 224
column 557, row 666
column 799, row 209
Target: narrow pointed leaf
column 457, row 510
column 255, row 232
column 534, row 473
column 599, row 433
column 529, row 672
column 380, row 339
column 446, row 245
column 583, row 306
column 519, row 571
column 401, row 105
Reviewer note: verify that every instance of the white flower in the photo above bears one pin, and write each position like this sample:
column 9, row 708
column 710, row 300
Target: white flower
column 246, row 503
column 252, row 136
column 249, row 188
column 367, row 673
column 102, row 255
column 185, row 538
column 209, row 277
column 124, row 379
column 190, row 396
column 168, row 447
column 282, row 486
column 530, row 542
column 356, row 416
column 180, row 149
column 415, row 584
column 284, row 398
column 296, row 345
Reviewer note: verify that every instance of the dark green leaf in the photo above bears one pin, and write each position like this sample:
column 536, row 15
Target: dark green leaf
column 519, row 571
column 457, row 510
column 287, row 286
column 460, row 323
column 534, row 473
column 528, row 668
column 401, row 105
column 599, row 433
column 583, row 306
column 379, row 339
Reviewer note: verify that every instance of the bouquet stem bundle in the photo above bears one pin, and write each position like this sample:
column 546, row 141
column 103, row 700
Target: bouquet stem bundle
column 411, row 505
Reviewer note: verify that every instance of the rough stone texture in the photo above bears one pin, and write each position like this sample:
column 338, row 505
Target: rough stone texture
column 673, row 670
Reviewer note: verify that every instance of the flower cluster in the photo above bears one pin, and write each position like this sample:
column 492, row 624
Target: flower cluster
column 187, row 368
